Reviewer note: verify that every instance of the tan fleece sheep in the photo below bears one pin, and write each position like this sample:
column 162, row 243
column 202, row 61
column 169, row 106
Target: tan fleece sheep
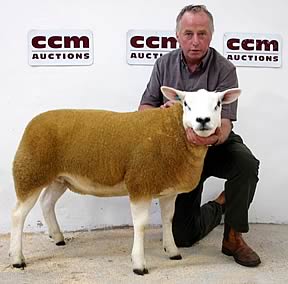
column 141, row 154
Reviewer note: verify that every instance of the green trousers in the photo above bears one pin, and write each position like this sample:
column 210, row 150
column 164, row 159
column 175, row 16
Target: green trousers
column 235, row 163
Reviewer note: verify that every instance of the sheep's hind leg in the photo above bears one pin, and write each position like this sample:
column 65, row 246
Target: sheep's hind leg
column 48, row 200
column 140, row 216
column 167, row 204
column 19, row 215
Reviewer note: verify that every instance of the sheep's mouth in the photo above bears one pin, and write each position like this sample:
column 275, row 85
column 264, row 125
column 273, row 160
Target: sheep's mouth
column 203, row 128
column 203, row 131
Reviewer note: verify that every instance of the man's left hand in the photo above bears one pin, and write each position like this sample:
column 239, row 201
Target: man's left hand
column 193, row 138
column 220, row 136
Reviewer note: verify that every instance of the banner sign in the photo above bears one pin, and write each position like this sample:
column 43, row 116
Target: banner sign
column 253, row 50
column 144, row 47
column 60, row 47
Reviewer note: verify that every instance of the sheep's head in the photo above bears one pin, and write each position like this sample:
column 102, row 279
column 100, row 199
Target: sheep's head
column 202, row 109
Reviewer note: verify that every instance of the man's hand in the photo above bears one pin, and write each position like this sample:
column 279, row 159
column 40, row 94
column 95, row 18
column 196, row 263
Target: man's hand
column 220, row 136
column 193, row 138
column 168, row 104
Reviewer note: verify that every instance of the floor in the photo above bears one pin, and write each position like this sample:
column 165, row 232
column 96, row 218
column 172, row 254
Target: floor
column 103, row 256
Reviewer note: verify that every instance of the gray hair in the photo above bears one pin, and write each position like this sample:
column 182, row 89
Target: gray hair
column 195, row 9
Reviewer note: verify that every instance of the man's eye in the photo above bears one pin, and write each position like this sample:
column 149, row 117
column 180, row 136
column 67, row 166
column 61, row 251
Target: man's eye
column 189, row 35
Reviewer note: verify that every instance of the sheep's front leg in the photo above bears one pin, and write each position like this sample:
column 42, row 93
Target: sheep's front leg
column 167, row 204
column 140, row 216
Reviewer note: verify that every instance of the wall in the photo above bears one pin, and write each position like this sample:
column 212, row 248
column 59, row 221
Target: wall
column 112, row 84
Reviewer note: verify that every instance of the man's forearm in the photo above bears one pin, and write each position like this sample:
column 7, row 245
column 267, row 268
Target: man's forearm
column 225, row 129
column 143, row 107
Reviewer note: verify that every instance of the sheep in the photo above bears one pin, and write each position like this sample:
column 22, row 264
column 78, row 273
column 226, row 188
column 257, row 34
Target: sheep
column 142, row 154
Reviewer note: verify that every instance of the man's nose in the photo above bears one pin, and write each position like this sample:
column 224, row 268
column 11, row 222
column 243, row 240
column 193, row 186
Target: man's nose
column 195, row 40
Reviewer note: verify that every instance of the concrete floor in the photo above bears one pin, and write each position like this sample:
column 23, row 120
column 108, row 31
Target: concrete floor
column 103, row 256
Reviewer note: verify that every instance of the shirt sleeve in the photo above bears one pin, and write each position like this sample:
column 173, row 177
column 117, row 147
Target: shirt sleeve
column 152, row 94
column 229, row 80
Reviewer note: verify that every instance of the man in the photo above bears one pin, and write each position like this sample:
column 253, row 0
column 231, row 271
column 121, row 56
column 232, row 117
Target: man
column 195, row 66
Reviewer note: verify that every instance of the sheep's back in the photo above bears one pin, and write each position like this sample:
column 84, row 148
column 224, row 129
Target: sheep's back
column 94, row 143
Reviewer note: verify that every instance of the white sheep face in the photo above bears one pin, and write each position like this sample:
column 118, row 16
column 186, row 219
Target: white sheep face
column 202, row 109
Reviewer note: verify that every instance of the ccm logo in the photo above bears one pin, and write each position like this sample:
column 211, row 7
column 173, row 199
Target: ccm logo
column 153, row 42
column 252, row 44
column 60, row 42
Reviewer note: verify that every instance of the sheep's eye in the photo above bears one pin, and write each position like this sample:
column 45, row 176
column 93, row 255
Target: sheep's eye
column 218, row 105
column 185, row 104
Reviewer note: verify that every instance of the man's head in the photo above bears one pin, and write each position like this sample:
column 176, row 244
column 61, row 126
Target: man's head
column 194, row 29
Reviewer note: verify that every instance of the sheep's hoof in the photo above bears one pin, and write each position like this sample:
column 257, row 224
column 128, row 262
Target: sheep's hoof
column 19, row 265
column 176, row 257
column 61, row 243
column 141, row 271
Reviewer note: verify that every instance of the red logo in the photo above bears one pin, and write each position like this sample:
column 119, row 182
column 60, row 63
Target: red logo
column 258, row 50
column 60, row 42
column 249, row 44
column 163, row 42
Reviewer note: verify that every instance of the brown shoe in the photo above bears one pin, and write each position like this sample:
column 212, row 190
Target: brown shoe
column 234, row 245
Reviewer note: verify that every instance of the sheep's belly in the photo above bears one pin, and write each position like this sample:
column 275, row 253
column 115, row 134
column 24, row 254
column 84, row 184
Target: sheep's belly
column 83, row 185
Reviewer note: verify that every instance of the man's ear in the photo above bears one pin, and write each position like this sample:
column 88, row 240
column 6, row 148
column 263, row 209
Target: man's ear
column 172, row 94
column 177, row 35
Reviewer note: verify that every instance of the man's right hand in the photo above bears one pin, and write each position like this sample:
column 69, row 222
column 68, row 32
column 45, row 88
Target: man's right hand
column 168, row 104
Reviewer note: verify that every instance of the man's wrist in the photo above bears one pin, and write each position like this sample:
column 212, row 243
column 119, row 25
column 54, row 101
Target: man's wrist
column 217, row 142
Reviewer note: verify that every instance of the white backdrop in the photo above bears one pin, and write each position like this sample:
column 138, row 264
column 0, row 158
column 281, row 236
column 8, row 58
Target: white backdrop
column 110, row 83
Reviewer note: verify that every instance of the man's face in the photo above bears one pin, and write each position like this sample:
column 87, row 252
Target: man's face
column 194, row 36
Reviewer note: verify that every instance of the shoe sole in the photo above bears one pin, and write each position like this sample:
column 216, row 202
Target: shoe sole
column 247, row 264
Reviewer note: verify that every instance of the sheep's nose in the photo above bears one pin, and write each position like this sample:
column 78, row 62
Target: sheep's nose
column 203, row 121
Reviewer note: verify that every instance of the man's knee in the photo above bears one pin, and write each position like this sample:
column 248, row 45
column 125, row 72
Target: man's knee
column 242, row 157
column 248, row 164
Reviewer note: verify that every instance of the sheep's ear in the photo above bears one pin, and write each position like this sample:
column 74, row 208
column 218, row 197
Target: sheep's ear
column 172, row 94
column 230, row 95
